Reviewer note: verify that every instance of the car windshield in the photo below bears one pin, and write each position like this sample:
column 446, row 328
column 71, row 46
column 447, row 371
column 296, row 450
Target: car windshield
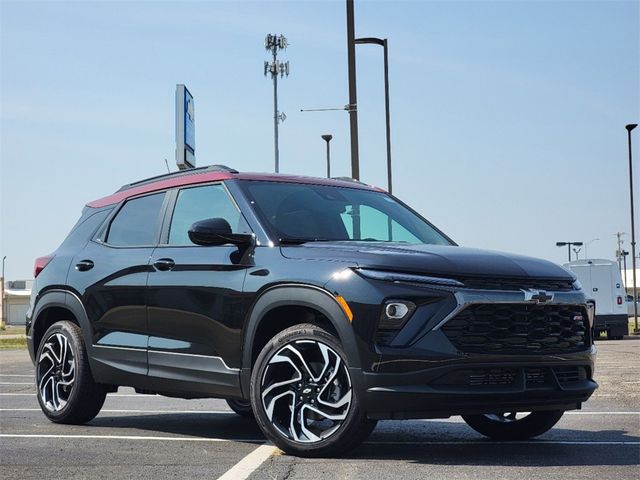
column 298, row 213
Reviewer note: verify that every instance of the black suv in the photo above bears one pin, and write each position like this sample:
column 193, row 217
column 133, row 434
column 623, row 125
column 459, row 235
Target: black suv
column 318, row 306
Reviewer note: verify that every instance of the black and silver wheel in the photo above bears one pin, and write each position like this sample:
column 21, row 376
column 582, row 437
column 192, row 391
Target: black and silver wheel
column 303, row 397
column 241, row 407
column 65, row 388
column 513, row 425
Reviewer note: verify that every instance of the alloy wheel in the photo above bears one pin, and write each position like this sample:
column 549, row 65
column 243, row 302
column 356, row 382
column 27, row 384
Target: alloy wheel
column 56, row 372
column 306, row 391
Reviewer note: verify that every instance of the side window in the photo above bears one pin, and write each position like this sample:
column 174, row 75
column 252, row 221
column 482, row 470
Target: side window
column 137, row 221
column 199, row 203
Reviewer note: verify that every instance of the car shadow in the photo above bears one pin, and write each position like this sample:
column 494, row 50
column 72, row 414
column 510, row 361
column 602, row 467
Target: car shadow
column 202, row 425
column 432, row 442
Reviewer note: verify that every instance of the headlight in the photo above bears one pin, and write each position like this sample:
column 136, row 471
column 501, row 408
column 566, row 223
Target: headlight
column 577, row 285
column 408, row 278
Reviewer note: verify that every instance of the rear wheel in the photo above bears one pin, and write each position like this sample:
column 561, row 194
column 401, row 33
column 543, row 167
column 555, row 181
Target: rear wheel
column 65, row 387
column 513, row 425
column 302, row 394
column 241, row 407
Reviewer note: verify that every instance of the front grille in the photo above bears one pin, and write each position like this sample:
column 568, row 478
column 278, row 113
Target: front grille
column 516, row 284
column 492, row 376
column 534, row 377
column 518, row 329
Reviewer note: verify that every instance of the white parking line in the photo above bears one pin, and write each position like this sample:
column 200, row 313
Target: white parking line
column 133, row 437
column 249, row 464
column 15, row 375
column 107, row 410
column 373, row 442
column 15, row 383
column 139, row 395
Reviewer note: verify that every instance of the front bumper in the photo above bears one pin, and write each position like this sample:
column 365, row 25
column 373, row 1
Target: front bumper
column 421, row 374
column 481, row 384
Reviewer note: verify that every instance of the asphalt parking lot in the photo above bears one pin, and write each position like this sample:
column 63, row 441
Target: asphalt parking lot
column 141, row 436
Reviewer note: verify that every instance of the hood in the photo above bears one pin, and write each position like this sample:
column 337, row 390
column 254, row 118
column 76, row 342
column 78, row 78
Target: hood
column 441, row 260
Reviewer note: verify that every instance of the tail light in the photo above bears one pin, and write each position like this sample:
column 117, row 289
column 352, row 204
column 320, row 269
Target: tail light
column 619, row 300
column 41, row 262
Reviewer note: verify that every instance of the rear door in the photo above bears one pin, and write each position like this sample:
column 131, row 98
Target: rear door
column 604, row 282
column 110, row 274
column 195, row 299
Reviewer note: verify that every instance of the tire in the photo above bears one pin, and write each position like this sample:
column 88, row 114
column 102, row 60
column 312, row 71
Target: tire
column 242, row 408
column 317, row 383
column 65, row 388
column 502, row 426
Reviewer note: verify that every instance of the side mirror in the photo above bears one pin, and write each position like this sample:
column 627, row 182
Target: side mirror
column 217, row 231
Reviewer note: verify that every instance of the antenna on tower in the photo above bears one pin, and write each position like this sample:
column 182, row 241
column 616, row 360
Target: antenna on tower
column 275, row 68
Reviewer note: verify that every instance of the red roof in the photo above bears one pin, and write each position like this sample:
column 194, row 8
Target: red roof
column 206, row 177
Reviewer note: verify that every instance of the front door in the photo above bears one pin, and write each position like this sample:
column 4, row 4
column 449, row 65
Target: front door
column 195, row 300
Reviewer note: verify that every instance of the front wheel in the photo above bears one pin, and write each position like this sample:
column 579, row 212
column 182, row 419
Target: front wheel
column 303, row 397
column 513, row 425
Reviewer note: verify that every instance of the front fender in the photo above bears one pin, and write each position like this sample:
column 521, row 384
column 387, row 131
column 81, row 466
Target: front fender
column 304, row 296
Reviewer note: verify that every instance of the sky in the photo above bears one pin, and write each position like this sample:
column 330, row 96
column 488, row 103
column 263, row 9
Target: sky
column 507, row 117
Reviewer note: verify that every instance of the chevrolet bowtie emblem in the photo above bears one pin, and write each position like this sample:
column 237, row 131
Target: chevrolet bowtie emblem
column 537, row 296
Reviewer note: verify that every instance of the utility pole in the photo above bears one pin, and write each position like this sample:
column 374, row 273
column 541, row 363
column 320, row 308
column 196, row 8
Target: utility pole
column 273, row 43
column 353, row 100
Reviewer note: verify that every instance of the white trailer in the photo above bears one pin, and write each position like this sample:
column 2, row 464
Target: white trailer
column 602, row 282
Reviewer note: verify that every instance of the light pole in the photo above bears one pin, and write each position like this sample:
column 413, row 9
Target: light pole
column 327, row 138
column 385, row 45
column 630, row 127
column 568, row 245
column 586, row 246
column 273, row 43
column 577, row 251
column 3, row 319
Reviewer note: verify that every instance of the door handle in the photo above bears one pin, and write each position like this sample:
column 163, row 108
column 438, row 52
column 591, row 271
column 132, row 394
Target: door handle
column 84, row 265
column 164, row 264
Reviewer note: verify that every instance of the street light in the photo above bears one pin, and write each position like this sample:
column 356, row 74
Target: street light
column 327, row 138
column 568, row 245
column 630, row 127
column 384, row 44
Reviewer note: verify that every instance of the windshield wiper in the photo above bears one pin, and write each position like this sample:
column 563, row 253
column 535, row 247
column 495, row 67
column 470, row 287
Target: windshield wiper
column 300, row 241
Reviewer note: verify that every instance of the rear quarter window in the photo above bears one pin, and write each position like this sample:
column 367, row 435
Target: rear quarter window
column 82, row 232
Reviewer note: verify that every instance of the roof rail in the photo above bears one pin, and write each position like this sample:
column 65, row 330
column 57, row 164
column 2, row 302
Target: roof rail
column 349, row 179
column 180, row 173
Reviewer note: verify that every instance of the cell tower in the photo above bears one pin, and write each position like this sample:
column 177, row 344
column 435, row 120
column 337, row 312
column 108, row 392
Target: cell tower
column 276, row 68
